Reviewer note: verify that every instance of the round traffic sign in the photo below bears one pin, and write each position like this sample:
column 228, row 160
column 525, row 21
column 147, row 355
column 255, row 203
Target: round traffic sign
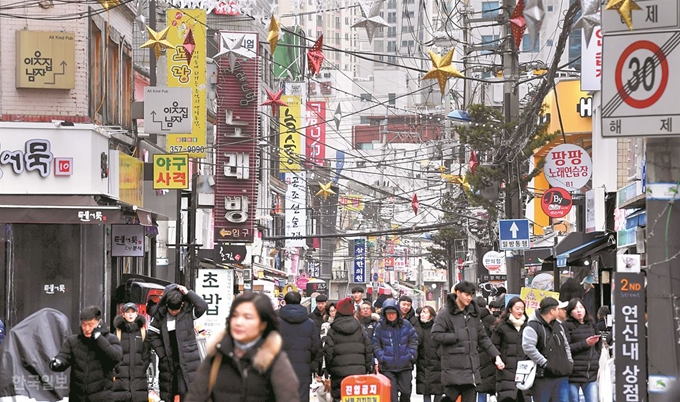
column 642, row 65
column 556, row 202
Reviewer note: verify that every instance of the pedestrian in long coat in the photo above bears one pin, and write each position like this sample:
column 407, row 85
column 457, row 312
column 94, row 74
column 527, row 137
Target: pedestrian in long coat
column 486, row 367
column 507, row 336
column 428, row 365
column 131, row 384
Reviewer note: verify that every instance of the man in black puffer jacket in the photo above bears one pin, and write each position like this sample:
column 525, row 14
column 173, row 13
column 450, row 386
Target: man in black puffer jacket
column 347, row 350
column 171, row 334
column 92, row 355
column 131, row 383
column 301, row 341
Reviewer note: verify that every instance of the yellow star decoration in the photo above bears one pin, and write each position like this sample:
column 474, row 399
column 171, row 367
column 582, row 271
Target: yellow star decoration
column 625, row 8
column 157, row 41
column 442, row 69
column 273, row 35
column 325, row 190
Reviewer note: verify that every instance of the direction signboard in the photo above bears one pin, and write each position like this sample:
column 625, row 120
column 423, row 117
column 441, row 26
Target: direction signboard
column 638, row 84
column 513, row 234
column 167, row 110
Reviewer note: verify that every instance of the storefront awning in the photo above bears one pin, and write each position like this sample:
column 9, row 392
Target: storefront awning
column 270, row 271
column 58, row 209
column 584, row 250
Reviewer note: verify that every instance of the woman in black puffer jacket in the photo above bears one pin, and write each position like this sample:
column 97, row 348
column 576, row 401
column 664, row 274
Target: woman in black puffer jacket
column 347, row 351
column 585, row 350
column 130, row 383
column 507, row 336
column 428, row 365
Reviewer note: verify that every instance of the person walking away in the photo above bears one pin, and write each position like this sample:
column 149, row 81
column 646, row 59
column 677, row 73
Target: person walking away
column 245, row 361
column 92, row 355
column 458, row 330
column 487, row 369
column 172, row 336
column 368, row 319
column 131, row 384
column 544, row 342
column 395, row 344
column 301, row 342
column 584, row 343
column 506, row 335
column 428, row 364
column 317, row 315
column 347, row 350
column 406, row 310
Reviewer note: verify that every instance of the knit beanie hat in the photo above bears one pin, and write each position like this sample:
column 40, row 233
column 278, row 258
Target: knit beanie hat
column 345, row 306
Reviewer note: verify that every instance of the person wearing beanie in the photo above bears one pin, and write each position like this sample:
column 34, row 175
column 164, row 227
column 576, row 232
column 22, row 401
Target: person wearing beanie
column 395, row 345
column 319, row 311
column 347, row 350
column 459, row 331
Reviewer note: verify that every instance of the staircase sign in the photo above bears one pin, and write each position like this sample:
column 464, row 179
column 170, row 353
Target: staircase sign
column 514, row 234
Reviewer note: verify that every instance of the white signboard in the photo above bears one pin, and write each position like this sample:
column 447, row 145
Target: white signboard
column 127, row 241
column 628, row 263
column 35, row 158
column 653, row 14
column 595, row 210
column 568, row 166
column 296, row 209
column 640, row 85
column 216, row 287
column 591, row 61
column 167, row 110
column 494, row 262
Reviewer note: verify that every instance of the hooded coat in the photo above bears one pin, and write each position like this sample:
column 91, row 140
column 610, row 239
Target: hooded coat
column 263, row 374
column 347, row 351
column 92, row 363
column 586, row 358
column 487, row 368
column 508, row 340
column 159, row 337
column 428, row 365
column 131, row 381
column 301, row 342
column 317, row 317
column 395, row 344
column 459, row 333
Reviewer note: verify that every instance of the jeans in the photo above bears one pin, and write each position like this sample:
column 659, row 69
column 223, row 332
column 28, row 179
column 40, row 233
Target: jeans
column 589, row 391
column 551, row 390
column 400, row 382
column 482, row 397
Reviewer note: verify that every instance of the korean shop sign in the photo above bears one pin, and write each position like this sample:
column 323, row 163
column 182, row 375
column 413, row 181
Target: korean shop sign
column 127, row 241
column 568, row 166
column 216, row 287
column 45, row 60
column 171, row 171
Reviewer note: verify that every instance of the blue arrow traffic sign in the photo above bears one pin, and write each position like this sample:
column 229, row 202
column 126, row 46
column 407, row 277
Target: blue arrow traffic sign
column 514, row 234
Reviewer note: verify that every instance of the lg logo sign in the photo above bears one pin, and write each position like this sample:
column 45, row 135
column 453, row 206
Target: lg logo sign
column 63, row 166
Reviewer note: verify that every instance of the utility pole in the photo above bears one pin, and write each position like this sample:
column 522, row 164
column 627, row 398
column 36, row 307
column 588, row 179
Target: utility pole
column 513, row 207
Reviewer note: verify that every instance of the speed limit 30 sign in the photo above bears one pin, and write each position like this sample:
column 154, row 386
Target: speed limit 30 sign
column 640, row 85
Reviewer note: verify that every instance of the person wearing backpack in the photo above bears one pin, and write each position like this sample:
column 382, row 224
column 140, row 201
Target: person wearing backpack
column 130, row 383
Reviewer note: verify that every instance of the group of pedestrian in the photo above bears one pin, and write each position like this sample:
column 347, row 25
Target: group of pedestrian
column 112, row 366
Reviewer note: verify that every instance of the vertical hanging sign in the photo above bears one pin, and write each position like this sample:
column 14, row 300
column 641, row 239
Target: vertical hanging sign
column 289, row 133
column 316, row 133
column 296, row 209
column 359, row 272
column 186, row 67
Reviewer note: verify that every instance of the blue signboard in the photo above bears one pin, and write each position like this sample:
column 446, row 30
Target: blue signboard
column 359, row 272
column 514, row 234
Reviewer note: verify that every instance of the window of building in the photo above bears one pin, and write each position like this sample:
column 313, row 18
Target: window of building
column 489, row 40
column 392, row 4
column 391, row 32
column 408, row 43
column 526, row 44
column 391, row 46
column 392, row 99
column 96, row 58
column 366, row 97
column 337, row 22
column 549, row 9
column 490, row 9
column 346, row 36
column 549, row 42
column 365, row 120
column 392, row 17
column 346, row 20
column 409, row 14
column 392, row 59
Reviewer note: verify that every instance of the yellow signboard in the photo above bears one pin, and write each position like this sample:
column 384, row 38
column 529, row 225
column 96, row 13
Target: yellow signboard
column 171, row 172
column 45, row 60
column 289, row 137
column 532, row 298
column 130, row 180
column 185, row 71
